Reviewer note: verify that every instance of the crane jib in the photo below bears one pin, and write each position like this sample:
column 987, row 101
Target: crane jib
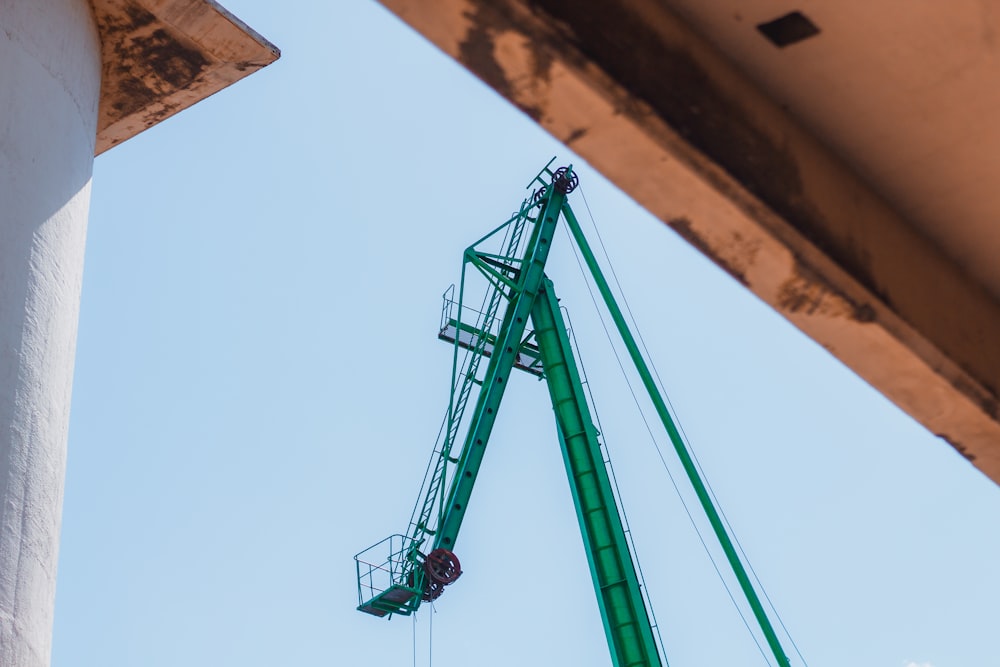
column 397, row 574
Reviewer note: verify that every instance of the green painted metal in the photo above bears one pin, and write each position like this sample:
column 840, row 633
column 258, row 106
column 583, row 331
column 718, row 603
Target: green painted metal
column 494, row 382
column 382, row 586
column 521, row 283
column 463, row 334
column 430, row 509
column 626, row 621
column 515, row 277
column 675, row 438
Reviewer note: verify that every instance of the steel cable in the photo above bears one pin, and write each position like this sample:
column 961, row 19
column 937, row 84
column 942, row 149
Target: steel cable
column 683, row 433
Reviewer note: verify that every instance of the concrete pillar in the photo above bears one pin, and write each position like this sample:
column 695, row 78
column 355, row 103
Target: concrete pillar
column 50, row 78
column 76, row 77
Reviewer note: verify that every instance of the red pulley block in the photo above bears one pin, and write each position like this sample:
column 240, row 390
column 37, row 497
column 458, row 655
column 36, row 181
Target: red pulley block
column 442, row 566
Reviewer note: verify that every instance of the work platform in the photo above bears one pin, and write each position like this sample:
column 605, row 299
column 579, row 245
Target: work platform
column 382, row 571
column 468, row 336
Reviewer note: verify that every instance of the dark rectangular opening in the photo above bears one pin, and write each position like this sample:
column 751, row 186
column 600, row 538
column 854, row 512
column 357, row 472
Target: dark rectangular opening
column 788, row 29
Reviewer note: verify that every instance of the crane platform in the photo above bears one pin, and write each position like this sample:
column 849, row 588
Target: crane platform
column 469, row 336
column 398, row 599
column 383, row 584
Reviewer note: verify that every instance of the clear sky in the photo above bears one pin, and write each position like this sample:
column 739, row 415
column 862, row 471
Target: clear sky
column 258, row 387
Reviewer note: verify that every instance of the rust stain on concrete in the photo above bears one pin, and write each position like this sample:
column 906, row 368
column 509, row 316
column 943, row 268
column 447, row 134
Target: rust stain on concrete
column 958, row 447
column 642, row 56
column 987, row 401
column 683, row 227
column 806, row 292
column 575, row 135
column 162, row 56
column 672, row 82
column 478, row 50
column 148, row 60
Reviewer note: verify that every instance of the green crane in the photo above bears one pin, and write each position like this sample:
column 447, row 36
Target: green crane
column 396, row 575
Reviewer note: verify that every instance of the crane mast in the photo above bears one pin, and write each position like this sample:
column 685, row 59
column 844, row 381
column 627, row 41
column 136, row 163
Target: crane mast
column 397, row 574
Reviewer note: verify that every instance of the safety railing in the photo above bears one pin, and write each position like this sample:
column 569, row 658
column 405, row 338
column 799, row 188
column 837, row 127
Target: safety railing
column 382, row 571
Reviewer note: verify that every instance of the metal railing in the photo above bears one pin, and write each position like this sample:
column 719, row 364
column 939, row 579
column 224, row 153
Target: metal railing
column 383, row 565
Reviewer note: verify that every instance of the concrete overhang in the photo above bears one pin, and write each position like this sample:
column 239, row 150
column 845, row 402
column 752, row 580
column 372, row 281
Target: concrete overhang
column 839, row 162
column 160, row 57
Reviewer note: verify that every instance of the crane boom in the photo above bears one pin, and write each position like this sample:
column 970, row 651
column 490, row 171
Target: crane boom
column 416, row 567
column 675, row 438
column 521, row 296
column 626, row 621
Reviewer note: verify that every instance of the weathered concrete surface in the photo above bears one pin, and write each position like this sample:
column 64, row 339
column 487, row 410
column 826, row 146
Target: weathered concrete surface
column 50, row 71
column 75, row 78
column 667, row 117
column 161, row 56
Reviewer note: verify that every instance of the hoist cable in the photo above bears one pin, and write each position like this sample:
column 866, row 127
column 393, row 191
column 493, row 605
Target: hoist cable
column 663, row 460
column 680, row 427
column 681, row 430
column 430, row 637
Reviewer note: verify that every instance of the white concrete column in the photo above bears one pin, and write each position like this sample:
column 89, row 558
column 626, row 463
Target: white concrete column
column 50, row 74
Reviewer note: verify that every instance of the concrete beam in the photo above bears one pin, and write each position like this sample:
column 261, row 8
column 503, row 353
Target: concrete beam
column 161, row 56
column 662, row 114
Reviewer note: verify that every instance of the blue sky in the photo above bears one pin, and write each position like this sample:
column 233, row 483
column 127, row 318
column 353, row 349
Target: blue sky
column 258, row 387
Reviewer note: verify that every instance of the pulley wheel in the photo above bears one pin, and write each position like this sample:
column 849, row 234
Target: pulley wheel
column 565, row 184
column 442, row 566
column 539, row 196
column 432, row 591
